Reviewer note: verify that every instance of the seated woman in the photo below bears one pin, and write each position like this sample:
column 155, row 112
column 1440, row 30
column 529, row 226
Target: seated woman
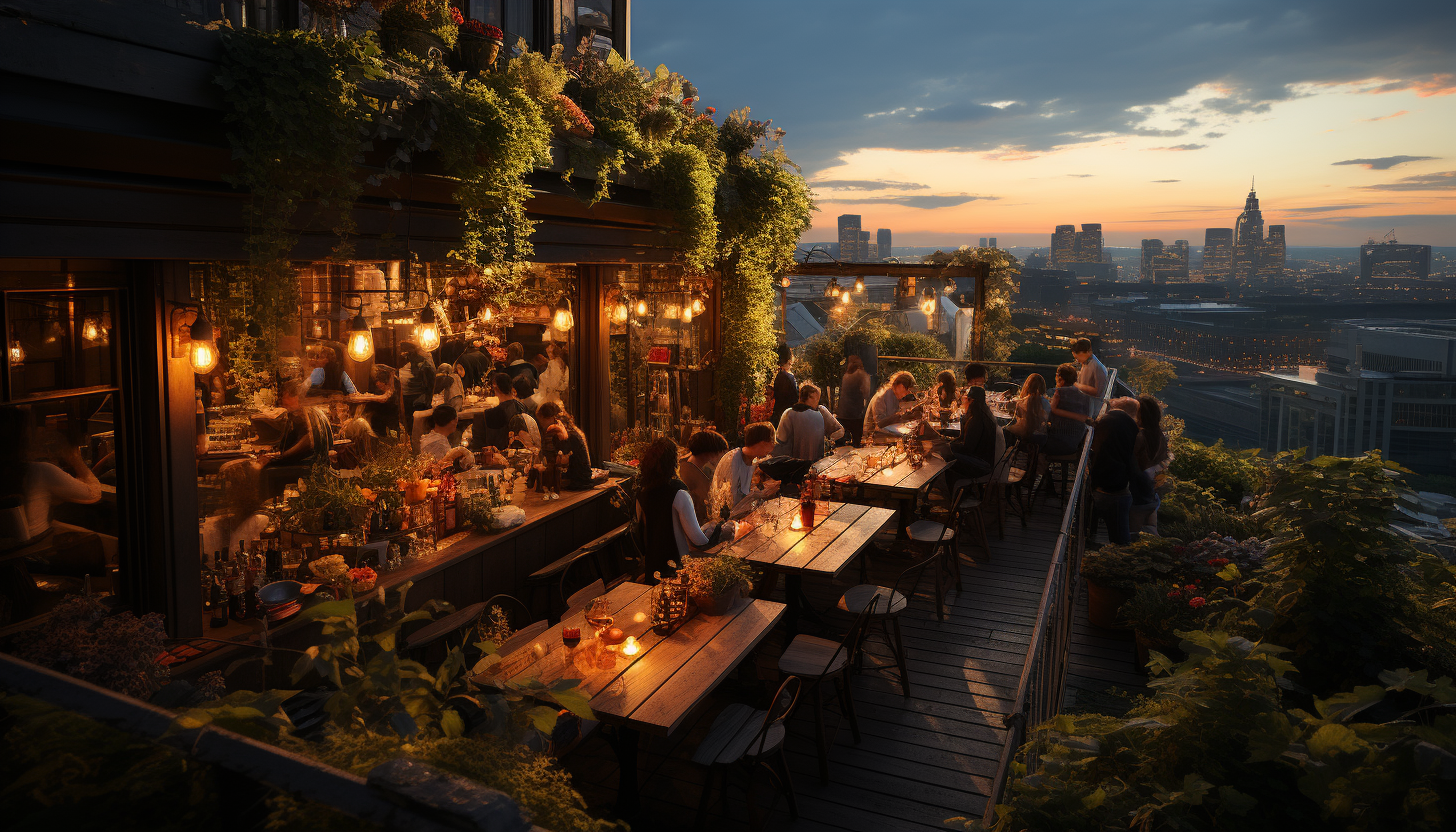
column 436, row 442
column 804, row 427
column 561, row 436
column 974, row 451
column 328, row 376
column 1071, row 414
column 1032, row 411
column 667, row 525
column 705, row 448
column 945, row 389
column 41, row 485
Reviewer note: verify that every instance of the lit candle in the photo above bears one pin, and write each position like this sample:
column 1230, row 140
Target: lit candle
column 630, row 648
column 797, row 523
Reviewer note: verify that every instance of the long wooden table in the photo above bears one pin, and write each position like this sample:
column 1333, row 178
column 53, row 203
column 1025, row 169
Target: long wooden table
column 656, row 690
column 902, row 482
column 841, row 533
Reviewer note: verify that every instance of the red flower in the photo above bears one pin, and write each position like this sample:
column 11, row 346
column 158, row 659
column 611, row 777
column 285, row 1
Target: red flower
column 1218, row 561
column 1196, row 602
column 712, row 110
column 1173, row 594
column 457, row 16
column 1191, row 587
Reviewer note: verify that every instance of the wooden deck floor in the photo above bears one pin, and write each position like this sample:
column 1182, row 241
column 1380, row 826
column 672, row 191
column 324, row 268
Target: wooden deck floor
column 1102, row 671
column 920, row 760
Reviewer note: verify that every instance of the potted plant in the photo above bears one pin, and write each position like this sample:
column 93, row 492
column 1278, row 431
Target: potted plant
column 418, row 27
column 479, row 45
column 490, row 508
column 715, row 582
column 1157, row 612
column 1114, row 573
column 326, row 505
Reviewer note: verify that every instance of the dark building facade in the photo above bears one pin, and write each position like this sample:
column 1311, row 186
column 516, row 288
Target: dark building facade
column 882, row 239
column 1218, row 253
column 849, row 237
column 1254, row 255
column 1394, row 260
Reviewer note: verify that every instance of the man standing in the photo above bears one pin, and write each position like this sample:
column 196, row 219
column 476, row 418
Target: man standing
column 416, row 377
column 785, row 386
column 1113, row 472
column 475, row 365
column 1092, row 377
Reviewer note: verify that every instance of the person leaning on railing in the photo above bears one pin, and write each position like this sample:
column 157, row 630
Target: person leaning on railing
column 1113, row 473
column 1091, row 375
column 1070, row 414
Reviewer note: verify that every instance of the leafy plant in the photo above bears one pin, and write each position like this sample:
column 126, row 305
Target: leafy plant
column 1150, row 375
column 1189, row 512
column 83, row 638
column 999, row 333
column 716, row 574
column 1229, row 475
column 1157, row 611
column 325, row 502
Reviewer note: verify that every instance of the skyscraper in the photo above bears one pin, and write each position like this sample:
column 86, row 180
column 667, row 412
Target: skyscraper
column 1248, row 240
column 1271, row 261
column 1218, row 253
column 864, row 247
column 1162, row 264
column 1088, row 246
column 883, row 240
column 849, row 237
column 874, row 253
column 993, row 242
column 1152, row 250
column 1064, row 241
column 983, row 242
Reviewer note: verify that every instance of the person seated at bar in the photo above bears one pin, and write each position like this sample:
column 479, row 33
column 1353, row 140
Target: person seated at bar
column 973, row 453
column 560, row 435
column 804, row 427
column 1113, row 472
column 494, row 427
column 416, row 377
column 516, row 363
column 669, row 527
column 946, row 392
column 854, row 395
column 525, row 395
column 887, row 406
column 1071, row 414
column 381, row 407
column 307, row 435
column 1091, row 375
column 447, row 389
column 328, row 374
column 436, row 444
column 1032, row 411
column 41, row 485
column 975, row 374
column 705, row 448
column 738, row 467
column 475, row 366
column 363, row 444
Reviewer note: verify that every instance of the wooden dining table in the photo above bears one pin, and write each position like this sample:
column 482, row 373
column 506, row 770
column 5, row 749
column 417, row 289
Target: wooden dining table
column 656, row 690
column 902, row 482
column 840, row 534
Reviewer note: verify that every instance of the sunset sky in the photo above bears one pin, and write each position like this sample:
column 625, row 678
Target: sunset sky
column 948, row 121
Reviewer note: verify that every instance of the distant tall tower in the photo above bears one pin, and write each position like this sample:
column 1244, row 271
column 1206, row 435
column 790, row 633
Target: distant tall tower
column 1152, row 250
column 1248, row 240
column 1271, row 263
column 1218, row 253
column 1088, row 248
column 883, row 240
column 864, row 247
column 874, row 253
column 849, row 237
column 982, row 244
column 1064, row 242
column 992, row 243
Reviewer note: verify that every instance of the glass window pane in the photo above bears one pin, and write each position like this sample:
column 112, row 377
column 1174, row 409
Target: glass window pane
column 60, row 341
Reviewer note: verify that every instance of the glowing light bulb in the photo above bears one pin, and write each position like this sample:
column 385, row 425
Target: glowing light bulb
column 844, row 298
column 797, row 523
column 427, row 333
column 687, row 314
column 563, row 320
column 784, row 281
column 630, row 646
column 641, row 308
column 486, row 314
column 698, row 306
column 91, row 333
column 17, row 353
column 859, row 285
column 619, row 313
column 202, row 356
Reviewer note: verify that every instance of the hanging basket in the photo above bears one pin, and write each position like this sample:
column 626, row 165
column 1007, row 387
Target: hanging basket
column 417, row 42
column 475, row 53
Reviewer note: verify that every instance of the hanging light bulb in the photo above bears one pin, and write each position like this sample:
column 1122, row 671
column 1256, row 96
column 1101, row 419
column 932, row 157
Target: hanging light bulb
column 17, row 353
column 619, row 312
column 428, row 331
column 784, row 282
column 698, row 306
column 202, row 352
column 90, row 332
column 687, row 313
column 844, row 298
column 361, row 339
column 562, row 320
column 641, row 308
column 859, row 285
column 927, row 302
column 486, row 315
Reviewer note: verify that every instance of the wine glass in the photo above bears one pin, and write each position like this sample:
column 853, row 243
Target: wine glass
column 571, row 637
column 599, row 614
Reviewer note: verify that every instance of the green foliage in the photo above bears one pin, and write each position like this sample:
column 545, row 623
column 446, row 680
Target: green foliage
column 62, row 770
column 822, row 356
column 527, row 776
column 1345, row 589
column 912, row 345
column 999, row 334
column 716, row 574
column 1158, row 611
column 326, row 502
column 1229, row 475
column 762, row 206
column 684, row 184
column 1190, row 512
column 1150, row 375
column 1216, row 747
column 402, row 20
column 1039, row 354
column 83, row 637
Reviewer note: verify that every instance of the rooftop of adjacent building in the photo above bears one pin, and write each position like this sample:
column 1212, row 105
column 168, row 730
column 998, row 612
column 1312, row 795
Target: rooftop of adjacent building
column 1427, row 329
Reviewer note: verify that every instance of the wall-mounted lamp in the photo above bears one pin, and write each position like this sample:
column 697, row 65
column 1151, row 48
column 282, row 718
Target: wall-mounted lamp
column 620, row 312
column 698, row 305
column 563, row 320
column 193, row 338
column 427, row 333
column 687, row 313
column 17, row 353
column 361, row 338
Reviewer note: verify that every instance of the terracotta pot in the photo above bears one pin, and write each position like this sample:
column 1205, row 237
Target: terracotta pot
column 716, row 605
column 1102, row 605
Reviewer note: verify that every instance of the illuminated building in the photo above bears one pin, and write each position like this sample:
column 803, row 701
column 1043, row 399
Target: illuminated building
column 1391, row 259
column 849, row 237
column 883, row 241
column 1218, row 253
column 1064, row 242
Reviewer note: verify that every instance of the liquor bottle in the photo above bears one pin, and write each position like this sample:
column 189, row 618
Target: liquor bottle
column 273, row 562
column 236, row 604
column 219, row 602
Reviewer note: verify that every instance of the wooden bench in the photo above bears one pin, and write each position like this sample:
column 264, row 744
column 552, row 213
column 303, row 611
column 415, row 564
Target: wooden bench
column 548, row 577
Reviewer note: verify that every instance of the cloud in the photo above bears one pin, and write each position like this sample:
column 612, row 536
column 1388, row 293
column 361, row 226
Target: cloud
column 1385, row 162
column 1396, row 114
column 1325, row 209
column 1165, row 181
column 1379, row 224
column 1441, row 83
column 925, row 201
column 867, row 185
column 1214, row 135
column 1082, row 175
column 1181, row 147
column 1443, row 181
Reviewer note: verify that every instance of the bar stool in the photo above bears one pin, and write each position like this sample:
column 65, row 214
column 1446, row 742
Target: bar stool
column 818, row 661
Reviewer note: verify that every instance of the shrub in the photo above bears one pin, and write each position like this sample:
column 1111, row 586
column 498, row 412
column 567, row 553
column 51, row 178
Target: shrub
column 1229, row 475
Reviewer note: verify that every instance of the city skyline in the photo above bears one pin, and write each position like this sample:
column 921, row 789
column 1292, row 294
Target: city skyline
column 1143, row 117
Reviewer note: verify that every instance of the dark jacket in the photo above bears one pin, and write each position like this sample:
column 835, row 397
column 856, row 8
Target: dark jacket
column 1114, row 467
column 477, row 366
column 977, row 439
column 785, row 393
column 655, row 534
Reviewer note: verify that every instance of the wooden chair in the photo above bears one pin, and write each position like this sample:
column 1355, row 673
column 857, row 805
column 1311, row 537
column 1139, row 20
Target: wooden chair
column 888, row 603
column 548, row 578
column 741, row 734
column 820, row 660
column 1019, row 481
column 940, row 538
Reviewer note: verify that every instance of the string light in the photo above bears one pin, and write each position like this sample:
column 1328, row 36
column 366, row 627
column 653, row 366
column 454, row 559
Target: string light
column 428, row 331
column 361, row 339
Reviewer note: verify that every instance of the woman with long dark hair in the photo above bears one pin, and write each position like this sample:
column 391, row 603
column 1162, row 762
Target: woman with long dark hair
column 559, row 434
column 1151, row 448
column 1032, row 409
column 945, row 389
column 855, row 390
column 975, row 449
column 667, row 525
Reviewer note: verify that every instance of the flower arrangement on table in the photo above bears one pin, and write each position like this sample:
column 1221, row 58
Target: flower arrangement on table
column 326, row 502
column 490, row 507
column 713, row 581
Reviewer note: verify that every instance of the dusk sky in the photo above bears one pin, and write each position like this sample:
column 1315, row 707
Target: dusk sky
column 948, row 121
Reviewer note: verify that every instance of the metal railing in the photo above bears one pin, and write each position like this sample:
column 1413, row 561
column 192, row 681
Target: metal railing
column 1044, row 673
column 398, row 794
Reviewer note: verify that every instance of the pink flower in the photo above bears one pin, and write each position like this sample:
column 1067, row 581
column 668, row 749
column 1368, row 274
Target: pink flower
column 1196, row 602
column 1218, row 561
column 1191, row 587
column 1173, row 594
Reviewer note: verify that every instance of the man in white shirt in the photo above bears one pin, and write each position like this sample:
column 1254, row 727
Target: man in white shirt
column 436, row 442
column 884, row 409
column 1092, row 377
column 736, row 468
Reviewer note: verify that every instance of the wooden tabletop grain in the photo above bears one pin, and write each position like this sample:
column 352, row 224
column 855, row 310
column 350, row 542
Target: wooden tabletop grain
column 841, row 531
